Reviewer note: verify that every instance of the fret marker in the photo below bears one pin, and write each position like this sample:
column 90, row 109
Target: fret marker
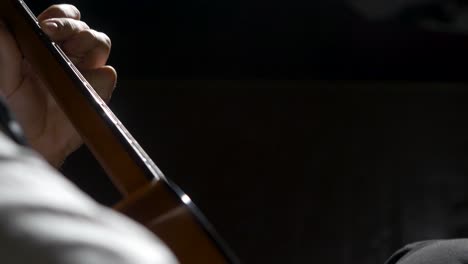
column 185, row 199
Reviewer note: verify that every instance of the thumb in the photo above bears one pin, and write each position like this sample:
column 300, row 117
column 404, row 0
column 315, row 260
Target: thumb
column 10, row 62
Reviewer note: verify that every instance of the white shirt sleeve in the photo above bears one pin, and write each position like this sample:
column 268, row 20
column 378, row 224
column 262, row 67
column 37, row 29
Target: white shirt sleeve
column 46, row 219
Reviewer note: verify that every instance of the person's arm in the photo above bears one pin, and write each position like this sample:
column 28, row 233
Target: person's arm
column 43, row 217
column 46, row 219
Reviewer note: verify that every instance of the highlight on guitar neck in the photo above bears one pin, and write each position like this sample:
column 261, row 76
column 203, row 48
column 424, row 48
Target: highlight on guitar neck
column 149, row 197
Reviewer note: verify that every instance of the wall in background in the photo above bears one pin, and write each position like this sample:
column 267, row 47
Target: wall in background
column 342, row 172
column 245, row 39
column 293, row 171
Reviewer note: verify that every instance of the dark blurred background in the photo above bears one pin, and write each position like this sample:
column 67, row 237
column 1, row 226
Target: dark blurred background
column 307, row 131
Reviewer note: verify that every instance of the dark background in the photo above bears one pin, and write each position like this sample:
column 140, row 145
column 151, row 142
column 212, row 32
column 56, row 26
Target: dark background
column 306, row 132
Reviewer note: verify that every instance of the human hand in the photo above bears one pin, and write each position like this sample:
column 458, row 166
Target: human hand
column 46, row 127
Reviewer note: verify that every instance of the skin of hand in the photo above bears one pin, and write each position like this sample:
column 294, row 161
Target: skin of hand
column 45, row 126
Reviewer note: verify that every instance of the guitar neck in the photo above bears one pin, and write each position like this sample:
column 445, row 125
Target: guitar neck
column 126, row 163
column 149, row 197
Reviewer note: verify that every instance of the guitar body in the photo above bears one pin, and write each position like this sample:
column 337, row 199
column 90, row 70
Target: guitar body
column 149, row 197
column 180, row 225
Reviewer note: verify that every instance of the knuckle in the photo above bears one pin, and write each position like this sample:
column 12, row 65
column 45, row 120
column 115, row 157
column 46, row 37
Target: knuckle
column 55, row 8
column 106, row 41
column 61, row 11
column 66, row 10
column 72, row 26
column 88, row 34
column 66, row 25
column 60, row 23
column 84, row 25
column 101, row 39
column 75, row 11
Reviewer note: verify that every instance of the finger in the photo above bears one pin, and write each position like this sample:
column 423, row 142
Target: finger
column 88, row 49
column 61, row 29
column 103, row 81
column 60, row 11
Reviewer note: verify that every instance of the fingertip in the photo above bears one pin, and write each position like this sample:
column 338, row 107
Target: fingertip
column 104, row 80
column 112, row 74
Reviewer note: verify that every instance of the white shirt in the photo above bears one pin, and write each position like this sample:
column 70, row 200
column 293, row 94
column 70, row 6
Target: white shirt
column 44, row 218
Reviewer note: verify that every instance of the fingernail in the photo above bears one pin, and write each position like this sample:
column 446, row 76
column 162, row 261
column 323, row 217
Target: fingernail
column 51, row 26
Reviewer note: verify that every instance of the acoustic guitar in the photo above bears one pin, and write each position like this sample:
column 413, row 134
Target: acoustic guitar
column 149, row 197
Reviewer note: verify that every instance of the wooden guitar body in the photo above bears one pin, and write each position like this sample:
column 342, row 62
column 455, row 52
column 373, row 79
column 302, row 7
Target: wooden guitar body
column 149, row 197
